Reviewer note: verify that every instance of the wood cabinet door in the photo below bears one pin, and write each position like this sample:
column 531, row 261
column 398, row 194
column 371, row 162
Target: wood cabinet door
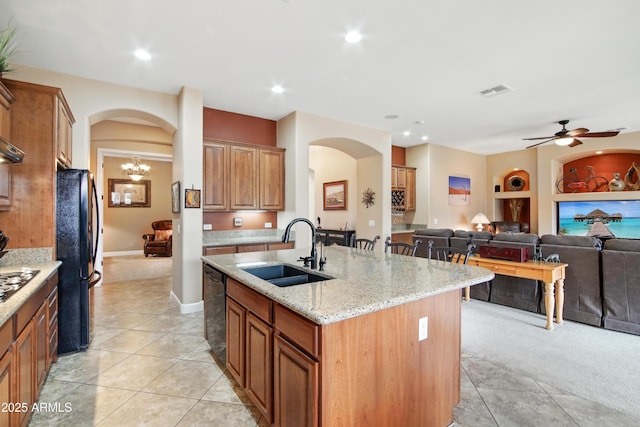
column 259, row 365
column 295, row 391
column 6, row 99
column 235, row 340
column 243, row 170
column 42, row 342
column 219, row 250
column 258, row 247
column 271, row 180
column 216, row 177
column 6, row 386
column 402, row 178
column 410, row 191
column 64, row 135
column 25, row 370
column 5, row 186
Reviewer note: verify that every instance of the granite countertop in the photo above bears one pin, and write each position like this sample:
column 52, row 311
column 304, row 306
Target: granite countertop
column 13, row 303
column 364, row 282
column 247, row 240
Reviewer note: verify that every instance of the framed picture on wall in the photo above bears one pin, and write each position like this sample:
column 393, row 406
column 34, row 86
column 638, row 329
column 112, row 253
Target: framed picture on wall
column 191, row 198
column 126, row 193
column 459, row 191
column 335, row 195
column 175, row 197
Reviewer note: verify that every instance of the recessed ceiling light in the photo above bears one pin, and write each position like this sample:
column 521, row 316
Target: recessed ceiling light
column 599, row 152
column 391, row 116
column 425, row 138
column 142, row 54
column 277, row 89
column 353, row 36
column 406, row 133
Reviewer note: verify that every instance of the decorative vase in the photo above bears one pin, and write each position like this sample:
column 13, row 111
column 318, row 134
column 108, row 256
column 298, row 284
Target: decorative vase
column 616, row 184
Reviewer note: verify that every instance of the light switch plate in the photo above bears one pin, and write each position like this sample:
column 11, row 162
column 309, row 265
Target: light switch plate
column 267, row 225
column 372, row 223
column 423, row 328
column 237, row 222
column 207, row 227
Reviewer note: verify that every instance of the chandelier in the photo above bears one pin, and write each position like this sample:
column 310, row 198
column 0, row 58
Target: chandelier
column 135, row 170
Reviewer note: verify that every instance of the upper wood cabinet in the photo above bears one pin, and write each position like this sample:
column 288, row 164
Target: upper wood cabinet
column 403, row 187
column 6, row 99
column 64, row 134
column 216, row 176
column 242, row 177
column 271, row 181
column 243, row 171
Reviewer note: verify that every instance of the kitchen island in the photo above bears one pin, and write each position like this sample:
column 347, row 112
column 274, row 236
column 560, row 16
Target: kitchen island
column 346, row 351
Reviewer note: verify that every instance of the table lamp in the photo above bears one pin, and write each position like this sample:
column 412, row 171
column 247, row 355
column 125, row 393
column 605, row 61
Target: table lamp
column 480, row 219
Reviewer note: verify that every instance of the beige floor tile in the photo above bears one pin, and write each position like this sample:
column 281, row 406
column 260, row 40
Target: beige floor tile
column 129, row 341
column 172, row 345
column 145, row 409
column 186, row 379
column 87, row 405
column 221, row 415
column 226, row 390
column 82, row 366
column 134, row 373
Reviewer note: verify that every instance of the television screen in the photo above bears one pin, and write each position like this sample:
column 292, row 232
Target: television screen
column 610, row 218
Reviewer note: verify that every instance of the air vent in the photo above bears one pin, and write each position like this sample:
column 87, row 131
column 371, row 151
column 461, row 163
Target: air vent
column 497, row 90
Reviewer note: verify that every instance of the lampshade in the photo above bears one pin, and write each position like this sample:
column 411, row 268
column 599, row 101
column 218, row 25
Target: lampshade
column 480, row 219
column 135, row 170
column 566, row 140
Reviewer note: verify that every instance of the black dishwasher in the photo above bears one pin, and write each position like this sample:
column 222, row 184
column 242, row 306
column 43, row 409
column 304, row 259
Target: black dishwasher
column 215, row 311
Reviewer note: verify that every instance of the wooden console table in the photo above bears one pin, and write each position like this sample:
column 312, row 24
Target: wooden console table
column 329, row 237
column 552, row 274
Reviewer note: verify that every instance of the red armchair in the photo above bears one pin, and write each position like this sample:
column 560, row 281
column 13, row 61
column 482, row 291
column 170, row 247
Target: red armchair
column 159, row 243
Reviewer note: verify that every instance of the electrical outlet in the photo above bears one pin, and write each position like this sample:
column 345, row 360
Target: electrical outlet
column 237, row 222
column 372, row 223
column 423, row 328
column 267, row 225
column 435, row 221
column 207, row 227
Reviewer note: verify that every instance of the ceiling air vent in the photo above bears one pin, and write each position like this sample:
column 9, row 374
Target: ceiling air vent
column 496, row 90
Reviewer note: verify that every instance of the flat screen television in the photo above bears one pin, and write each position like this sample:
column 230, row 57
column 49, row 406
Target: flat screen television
column 609, row 218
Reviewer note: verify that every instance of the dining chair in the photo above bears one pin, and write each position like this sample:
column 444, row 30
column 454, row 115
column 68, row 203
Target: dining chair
column 451, row 254
column 366, row 244
column 401, row 248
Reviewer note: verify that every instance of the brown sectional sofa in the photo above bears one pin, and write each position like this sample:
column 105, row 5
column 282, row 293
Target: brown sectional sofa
column 621, row 285
column 582, row 296
column 460, row 240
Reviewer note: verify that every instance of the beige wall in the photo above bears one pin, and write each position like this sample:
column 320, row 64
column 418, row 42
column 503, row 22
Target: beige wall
column 331, row 165
column 434, row 164
column 124, row 227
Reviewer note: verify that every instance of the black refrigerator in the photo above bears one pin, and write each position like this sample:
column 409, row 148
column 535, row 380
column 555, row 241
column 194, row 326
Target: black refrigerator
column 77, row 219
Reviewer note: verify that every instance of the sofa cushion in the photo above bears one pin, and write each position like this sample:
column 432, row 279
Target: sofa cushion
column 627, row 245
column 580, row 241
column 517, row 238
column 479, row 235
column 439, row 232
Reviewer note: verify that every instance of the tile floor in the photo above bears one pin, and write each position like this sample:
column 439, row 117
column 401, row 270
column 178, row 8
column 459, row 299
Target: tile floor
column 149, row 365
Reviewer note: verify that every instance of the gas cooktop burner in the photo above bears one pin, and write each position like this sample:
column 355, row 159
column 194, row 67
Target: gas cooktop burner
column 12, row 281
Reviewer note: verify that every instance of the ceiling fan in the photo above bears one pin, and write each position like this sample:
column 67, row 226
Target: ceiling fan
column 568, row 137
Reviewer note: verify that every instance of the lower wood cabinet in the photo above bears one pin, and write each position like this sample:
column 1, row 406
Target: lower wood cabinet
column 28, row 345
column 275, row 372
column 295, row 384
column 255, row 247
column 6, row 385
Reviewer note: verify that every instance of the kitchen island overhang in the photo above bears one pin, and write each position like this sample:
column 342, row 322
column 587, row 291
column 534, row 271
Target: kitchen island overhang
column 365, row 281
column 350, row 350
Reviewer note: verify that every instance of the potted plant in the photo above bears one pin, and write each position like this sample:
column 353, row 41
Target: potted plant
column 7, row 48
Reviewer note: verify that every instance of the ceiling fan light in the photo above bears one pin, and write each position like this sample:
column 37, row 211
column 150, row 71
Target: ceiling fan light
column 565, row 140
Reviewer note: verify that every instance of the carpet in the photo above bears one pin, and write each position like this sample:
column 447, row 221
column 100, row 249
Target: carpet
column 590, row 362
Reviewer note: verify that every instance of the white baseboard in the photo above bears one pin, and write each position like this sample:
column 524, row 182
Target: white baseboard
column 195, row 307
column 122, row 253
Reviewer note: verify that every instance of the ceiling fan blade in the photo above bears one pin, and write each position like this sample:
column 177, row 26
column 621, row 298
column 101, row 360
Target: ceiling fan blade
column 599, row 134
column 578, row 132
column 575, row 143
column 540, row 137
column 540, row 143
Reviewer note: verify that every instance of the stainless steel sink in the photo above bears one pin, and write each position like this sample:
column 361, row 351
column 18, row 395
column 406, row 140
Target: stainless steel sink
column 286, row 275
